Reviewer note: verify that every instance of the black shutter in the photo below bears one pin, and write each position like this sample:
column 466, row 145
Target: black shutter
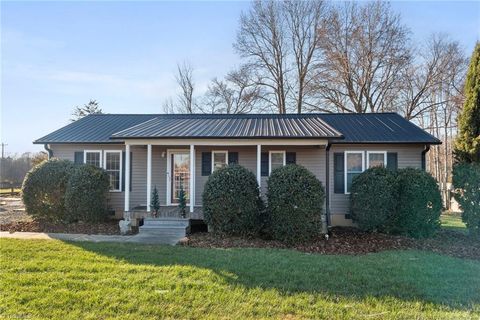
column 264, row 164
column 78, row 158
column 338, row 173
column 392, row 160
column 424, row 161
column 123, row 170
column 233, row 158
column 291, row 158
column 206, row 163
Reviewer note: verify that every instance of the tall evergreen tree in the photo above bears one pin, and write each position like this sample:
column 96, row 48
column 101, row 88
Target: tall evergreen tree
column 467, row 144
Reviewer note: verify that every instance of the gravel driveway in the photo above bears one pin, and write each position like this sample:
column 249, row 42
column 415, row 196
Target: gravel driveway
column 12, row 210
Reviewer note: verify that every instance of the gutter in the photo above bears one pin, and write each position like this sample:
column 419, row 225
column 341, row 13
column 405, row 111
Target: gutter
column 50, row 151
column 424, row 158
column 327, row 185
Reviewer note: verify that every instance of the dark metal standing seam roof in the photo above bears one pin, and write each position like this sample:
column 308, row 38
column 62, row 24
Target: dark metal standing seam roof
column 377, row 128
column 94, row 128
column 231, row 126
column 338, row 128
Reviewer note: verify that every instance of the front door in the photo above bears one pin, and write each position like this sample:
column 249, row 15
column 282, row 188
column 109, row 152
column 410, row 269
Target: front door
column 179, row 175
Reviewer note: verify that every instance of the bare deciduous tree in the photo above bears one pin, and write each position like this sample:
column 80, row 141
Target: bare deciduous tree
column 280, row 41
column 237, row 93
column 261, row 39
column 304, row 19
column 184, row 78
column 364, row 49
column 441, row 64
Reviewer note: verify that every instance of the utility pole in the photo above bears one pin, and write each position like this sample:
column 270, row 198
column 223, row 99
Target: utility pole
column 3, row 149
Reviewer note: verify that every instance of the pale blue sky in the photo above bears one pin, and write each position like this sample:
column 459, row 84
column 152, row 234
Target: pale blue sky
column 55, row 55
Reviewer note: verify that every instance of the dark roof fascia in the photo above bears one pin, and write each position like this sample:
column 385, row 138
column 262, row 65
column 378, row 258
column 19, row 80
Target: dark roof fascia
column 77, row 142
column 223, row 137
column 388, row 142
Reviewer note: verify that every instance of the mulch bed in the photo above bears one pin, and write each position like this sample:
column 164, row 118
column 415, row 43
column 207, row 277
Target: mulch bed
column 108, row 227
column 351, row 241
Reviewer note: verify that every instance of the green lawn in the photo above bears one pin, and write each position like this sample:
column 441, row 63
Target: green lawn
column 57, row 280
column 453, row 221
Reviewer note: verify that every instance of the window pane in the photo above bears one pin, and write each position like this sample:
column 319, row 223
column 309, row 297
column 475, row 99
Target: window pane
column 354, row 162
column 350, row 177
column 376, row 160
column 112, row 166
column 113, row 161
column 114, row 180
column 219, row 160
column 93, row 158
column 276, row 159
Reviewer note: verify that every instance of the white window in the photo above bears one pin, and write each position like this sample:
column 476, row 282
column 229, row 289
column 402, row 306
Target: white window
column 276, row 160
column 354, row 165
column 113, row 166
column 93, row 157
column 219, row 159
column 376, row 159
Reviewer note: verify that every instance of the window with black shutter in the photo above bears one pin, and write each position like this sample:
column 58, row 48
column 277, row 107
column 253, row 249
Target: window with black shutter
column 291, row 157
column 206, row 163
column 338, row 173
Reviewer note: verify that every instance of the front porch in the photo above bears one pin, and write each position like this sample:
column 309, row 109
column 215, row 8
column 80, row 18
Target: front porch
column 167, row 164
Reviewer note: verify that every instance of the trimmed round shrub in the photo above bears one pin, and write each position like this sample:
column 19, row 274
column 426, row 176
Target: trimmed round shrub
column 86, row 194
column 231, row 201
column 373, row 199
column 295, row 200
column 43, row 189
column 466, row 180
column 419, row 204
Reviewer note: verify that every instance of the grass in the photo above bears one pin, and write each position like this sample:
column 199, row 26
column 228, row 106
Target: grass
column 50, row 279
column 453, row 221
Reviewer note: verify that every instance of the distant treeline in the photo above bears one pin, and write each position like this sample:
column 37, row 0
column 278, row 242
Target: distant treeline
column 14, row 169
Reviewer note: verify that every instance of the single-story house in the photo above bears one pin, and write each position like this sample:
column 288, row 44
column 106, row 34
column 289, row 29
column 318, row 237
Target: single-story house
column 143, row 151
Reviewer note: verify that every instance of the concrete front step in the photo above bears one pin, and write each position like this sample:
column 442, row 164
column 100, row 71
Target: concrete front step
column 173, row 228
column 165, row 222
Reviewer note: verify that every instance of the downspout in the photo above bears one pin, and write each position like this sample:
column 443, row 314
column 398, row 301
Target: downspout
column 424, row 157
column 327, row 184
column 50, row 151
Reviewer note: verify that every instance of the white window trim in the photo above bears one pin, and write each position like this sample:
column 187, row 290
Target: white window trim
column 121, row 167
column 213, row 157
column 92, row 151
column 345, row 165
column 270, row 159
column 377, row 152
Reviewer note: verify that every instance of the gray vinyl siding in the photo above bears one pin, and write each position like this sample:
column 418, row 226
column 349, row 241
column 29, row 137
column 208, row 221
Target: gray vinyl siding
column 139, row 171
column 313, row 158
column 408, row 156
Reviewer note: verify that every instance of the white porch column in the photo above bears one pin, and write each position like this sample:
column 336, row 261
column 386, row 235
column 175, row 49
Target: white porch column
column 259, row 165
column 149, row 176
column 127, row 178
column 192, row 177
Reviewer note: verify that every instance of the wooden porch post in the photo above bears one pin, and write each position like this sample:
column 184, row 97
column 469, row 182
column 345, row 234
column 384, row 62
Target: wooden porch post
column 192, row 177
column 149, row 176
column 259, row 165
column 127, row 178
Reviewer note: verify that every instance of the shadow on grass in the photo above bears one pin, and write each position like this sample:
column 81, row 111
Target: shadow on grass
column 405, row 275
